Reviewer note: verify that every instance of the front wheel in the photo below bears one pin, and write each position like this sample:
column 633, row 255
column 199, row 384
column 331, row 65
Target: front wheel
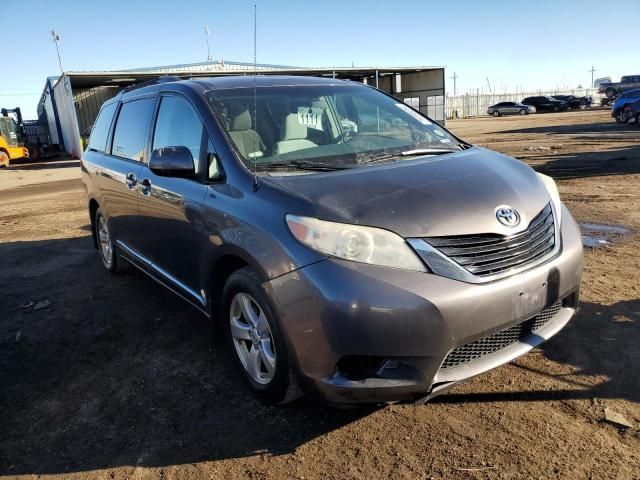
column 496, row 113
column 255, row 339
column 621, row 116
column 4, row 160
column 524, row 112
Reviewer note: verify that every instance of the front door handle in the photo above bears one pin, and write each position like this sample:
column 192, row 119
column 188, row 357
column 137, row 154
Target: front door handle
column 131, row 181
column 145, row 187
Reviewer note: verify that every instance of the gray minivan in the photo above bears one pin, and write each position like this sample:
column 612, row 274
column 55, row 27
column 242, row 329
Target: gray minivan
column 348, row 246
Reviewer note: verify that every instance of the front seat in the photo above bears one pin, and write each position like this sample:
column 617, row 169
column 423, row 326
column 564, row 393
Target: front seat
column 295, row 136
column 247, row 141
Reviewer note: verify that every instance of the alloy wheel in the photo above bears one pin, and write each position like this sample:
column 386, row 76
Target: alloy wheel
column 252, row 338
column 106, row 247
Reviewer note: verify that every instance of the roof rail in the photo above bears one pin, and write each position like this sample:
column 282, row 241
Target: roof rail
column 155, row 81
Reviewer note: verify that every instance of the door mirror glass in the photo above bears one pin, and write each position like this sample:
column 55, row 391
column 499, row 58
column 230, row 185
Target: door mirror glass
column 172, row 162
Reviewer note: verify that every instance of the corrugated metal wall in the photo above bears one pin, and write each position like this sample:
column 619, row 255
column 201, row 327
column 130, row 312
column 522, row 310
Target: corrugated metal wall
column 51, row 117
column 88, row 102
column 67, row 116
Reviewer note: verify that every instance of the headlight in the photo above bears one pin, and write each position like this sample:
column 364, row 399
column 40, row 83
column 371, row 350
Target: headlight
column 553, row 193
column 356, row 243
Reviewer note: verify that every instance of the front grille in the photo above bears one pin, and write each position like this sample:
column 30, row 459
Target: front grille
column 491, row 253
column 498, row 341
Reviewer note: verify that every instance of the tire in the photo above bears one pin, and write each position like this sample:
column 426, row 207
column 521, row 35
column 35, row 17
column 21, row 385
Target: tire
column 107, row 248
column 620, row 116
column 582, row 106
column 523, row 111
column 4, row 160
column 496, row 113
column 556, row 109
column 610, row 92
column 255, row 340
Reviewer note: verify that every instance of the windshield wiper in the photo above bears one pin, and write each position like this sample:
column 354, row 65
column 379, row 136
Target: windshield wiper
column 301, row 165
column 426, row 151
column 407, row 153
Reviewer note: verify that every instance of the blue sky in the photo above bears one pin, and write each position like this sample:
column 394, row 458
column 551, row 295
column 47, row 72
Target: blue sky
column 517, row 43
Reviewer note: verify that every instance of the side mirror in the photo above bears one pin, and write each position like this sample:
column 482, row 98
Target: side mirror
column 172, row 162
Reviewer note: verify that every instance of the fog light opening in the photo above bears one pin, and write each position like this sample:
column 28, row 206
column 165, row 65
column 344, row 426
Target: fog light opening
column 359, row 367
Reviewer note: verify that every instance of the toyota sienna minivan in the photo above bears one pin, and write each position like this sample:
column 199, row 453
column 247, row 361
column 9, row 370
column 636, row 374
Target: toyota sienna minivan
column 347, row 245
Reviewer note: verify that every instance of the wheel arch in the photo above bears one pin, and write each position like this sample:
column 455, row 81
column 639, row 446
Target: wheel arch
column 228, row 260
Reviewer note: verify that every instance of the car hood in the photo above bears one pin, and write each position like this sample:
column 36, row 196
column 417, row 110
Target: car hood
column 451, row 194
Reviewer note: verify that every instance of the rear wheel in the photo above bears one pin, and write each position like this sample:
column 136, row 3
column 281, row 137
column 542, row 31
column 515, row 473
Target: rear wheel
column 496, row 113
column 255, row 339
column 34, row 153
column 4, row 160
column 106, row 246
column 524, row 111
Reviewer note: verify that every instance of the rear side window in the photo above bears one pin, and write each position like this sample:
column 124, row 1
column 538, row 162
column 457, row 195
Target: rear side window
column 100, row 130
column 178, row 126
column 130, row 134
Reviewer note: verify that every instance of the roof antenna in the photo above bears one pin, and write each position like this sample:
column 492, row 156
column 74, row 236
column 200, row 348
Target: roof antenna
column 255, row 97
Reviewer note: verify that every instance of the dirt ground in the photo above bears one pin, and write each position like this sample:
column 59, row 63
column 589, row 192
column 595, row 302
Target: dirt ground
column 115, row 377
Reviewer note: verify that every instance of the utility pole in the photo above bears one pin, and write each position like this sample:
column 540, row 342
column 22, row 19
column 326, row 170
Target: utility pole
column 593, row 69
column 206, row 35
column 56, row 40
column 455, row 87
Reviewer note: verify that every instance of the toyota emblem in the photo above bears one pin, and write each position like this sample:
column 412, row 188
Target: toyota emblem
column 507, row 216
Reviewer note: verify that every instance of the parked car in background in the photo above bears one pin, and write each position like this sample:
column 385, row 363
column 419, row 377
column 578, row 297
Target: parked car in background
column 510, row 108
column 387, row 261
column 576, row 103
column 618, row 107
column 546, row 104
column 627, row 82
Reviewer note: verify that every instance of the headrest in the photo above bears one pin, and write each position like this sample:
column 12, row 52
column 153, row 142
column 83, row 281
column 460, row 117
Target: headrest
column 242, row 121
column 293, row 130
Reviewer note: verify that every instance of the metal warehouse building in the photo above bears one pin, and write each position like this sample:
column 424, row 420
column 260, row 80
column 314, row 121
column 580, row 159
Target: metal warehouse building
column 70, row 103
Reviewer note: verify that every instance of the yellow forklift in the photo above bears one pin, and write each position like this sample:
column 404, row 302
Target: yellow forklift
column 12, row 136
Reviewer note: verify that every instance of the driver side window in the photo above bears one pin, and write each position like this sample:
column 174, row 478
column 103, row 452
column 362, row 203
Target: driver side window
column 178, row 126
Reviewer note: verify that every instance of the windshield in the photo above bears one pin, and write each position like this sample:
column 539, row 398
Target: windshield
column 329, row 125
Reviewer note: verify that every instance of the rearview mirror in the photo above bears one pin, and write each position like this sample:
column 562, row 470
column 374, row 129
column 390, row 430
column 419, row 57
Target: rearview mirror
column 172, row 162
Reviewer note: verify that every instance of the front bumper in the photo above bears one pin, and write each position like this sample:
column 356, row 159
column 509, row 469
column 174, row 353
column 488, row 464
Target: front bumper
column 407, row 322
